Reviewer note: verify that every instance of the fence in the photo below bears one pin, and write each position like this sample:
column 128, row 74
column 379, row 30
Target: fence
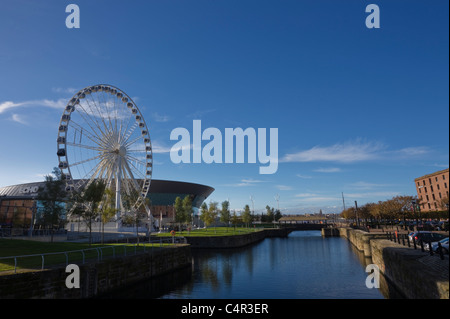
column 403, row 239
column 56, row 259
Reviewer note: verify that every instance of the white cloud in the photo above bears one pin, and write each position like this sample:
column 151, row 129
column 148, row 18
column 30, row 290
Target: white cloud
column 246, row 182
column 283, row 187
column 373, row 195
column 8, row 105
column 354, row 151
column 344, row 153
column 18, row 118
column 366, row 185
column 160, row 118
column 413, row 151
column 303, row 176
column 158, row 148
column 328, row 170
column 65, row 90
column 306, row 195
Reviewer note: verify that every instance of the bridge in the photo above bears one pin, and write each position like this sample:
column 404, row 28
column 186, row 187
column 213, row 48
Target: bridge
column 303, row 222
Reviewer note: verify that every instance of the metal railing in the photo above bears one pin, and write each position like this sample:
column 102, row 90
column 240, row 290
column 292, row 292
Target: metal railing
column 48, row 260
column 403, row 239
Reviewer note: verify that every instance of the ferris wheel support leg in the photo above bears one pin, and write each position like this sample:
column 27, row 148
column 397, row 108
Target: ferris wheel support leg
column 118, row 186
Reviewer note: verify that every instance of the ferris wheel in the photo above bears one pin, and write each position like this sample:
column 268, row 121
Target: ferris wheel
column 102, row 135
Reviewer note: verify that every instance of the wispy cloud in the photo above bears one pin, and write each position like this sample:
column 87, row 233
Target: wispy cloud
column 303, row 176
column 283, row 187
column 354, row 151
column 366, row 185
column 56, row 104
column 160, row 118
column 344, row 153
column 18, row 119
column 315, row 198
column 328, row 170
column 373, row 195
column 246, row 182
column 65, row 90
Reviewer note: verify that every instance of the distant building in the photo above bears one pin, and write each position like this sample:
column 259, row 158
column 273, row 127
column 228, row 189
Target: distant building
column 431, row 189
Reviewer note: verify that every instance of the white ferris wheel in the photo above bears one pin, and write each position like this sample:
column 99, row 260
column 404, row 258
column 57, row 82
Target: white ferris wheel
column 102, row 135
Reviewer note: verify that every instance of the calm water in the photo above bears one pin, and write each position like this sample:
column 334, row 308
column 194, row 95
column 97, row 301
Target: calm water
column 303, row 266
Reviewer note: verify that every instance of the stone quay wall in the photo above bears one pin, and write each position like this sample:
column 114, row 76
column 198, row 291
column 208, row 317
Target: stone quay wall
column 96, row 278
column 416, row 274
column 235, row 241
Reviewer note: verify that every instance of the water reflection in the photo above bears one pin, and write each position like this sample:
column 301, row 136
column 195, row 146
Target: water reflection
column 302, row 266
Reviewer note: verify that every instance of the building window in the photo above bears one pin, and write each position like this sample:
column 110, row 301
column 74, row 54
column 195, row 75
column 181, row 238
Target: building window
column 431, row 187
column 436, row 179
column 445, row 185
column 434, row 197
column 420, row 190
column 426, row 189
column 440, row 195
column 429, row 206
column 443, row 177
column 429, row 180
column 423, row 182
column 439, row 187
column 428, row 199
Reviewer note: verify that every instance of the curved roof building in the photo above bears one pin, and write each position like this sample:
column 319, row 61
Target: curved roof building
column 18, row 201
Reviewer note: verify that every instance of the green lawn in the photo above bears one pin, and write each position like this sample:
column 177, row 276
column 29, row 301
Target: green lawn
column 14, row 247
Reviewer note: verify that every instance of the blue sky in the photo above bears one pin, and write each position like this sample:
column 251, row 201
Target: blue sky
column 359, row 111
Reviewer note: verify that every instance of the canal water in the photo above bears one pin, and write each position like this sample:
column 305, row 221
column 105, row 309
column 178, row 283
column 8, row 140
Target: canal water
column 304, row 265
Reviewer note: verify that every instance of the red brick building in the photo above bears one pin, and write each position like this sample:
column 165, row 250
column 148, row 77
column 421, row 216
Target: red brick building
column 432, row 190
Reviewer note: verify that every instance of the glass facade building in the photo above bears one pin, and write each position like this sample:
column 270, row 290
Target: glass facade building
column 20, row 208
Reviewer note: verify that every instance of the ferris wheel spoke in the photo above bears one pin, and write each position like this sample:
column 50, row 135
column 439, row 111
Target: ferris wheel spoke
column 78, row 128
column 92, row 131
column 136, row 139
column 107, row 106
column 90, row 120
column 86, row 160
column 99, row 113
column 132, row 179
column 136, row 160
column 84, row 146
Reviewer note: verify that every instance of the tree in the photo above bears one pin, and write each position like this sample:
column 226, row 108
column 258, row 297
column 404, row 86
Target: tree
column 247, row 215
column 87, row 203
column 277, row 215
column 179, row 211
column 187, row 209
column 133, row 215
column 52, row 197
column 443, row 203
column 213, row 212
column 204, row 212
column 269, row 214
column 225, row 215
column 108, row 210
column 234, row 220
